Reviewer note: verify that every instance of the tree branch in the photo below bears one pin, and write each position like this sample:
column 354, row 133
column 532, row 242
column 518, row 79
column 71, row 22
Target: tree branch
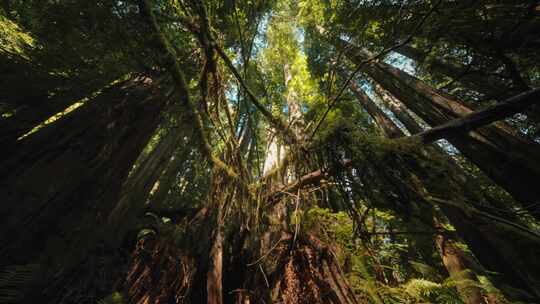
column 312, row 178
column 477, row 119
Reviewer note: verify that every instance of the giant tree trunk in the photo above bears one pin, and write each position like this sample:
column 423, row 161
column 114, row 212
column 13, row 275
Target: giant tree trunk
column 306, row 272
column 33, row 94
column 518, row 160
column 398, row 109
column 159, row 273
column 68, row 176
column 386, row 125
column 28, row 117
column 164, row 269
column 137, row 188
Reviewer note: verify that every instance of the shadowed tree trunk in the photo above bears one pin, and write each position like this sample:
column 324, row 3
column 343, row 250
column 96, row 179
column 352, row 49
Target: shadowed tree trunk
column 166, row 269
column 136, row 190
column 69, row 176
column 158, row 273
column 34, row 95
column 26, row 119
column 455, row 263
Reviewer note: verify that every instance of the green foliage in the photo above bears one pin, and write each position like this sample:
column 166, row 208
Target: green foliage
column 423, row 290
column 426, row 271
column 376, row 219
column 335, row 227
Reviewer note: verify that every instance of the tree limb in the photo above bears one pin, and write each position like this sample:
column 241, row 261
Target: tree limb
column 477, row 119
column 312, row 178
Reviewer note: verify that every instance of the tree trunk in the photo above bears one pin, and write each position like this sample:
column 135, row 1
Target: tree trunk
column 307, row 273
column 455, row 263
column 472, row 79
column 165, row 270
column 381, row 120
column 481, row 118
column 452, row 257
column 159, row 273
column 518, row 160
column 26, row 119
column 69, row 174
column 399, row 110
column 136, row 190
column 214, row 285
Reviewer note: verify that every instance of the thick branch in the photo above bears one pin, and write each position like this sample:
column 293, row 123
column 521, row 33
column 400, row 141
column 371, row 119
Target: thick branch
column 477, row 119
column 312, row 178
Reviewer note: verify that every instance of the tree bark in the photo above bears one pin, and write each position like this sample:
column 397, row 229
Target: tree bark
column 159, row 272
column 26, row 119
column 399, row 110
column 66, row 178
column 214, row 283
column 136, row 190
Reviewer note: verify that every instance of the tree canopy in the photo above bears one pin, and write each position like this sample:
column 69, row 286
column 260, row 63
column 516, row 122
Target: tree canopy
column 272, row 151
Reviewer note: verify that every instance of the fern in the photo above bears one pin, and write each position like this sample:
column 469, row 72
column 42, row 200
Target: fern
column 426, row 271
column 420, row 288
column 421, row 291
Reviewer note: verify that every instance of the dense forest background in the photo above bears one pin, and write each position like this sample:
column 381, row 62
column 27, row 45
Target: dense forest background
column 269, row 151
